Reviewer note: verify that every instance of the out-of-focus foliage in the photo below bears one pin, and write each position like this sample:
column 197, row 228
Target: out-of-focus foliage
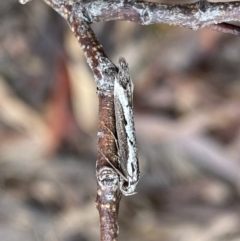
column 186, row 102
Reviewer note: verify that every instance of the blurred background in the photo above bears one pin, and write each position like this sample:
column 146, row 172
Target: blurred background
column 187, row 115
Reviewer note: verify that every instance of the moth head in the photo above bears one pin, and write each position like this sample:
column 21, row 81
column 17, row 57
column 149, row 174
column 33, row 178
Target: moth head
column 124, row 75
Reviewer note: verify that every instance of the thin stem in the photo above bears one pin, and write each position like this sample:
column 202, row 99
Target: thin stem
column 108, row 194
column 193, row 16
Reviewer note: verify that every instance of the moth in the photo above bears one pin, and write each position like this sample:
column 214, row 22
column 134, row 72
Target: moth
column 126, row 137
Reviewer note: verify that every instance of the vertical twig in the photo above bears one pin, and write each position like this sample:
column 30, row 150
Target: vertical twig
column 108, row 193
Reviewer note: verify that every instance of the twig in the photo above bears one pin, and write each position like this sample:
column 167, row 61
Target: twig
column 108, row 194
column 194, row 16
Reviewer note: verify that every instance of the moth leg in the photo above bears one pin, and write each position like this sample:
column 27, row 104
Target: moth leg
column 117, row 171
column 116, row 142
column 124, row 179
column 126, row 191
